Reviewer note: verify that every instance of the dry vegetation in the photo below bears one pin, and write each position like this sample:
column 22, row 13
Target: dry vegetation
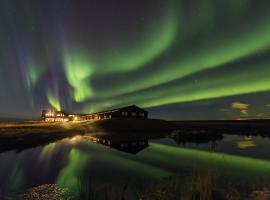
column 201, row 185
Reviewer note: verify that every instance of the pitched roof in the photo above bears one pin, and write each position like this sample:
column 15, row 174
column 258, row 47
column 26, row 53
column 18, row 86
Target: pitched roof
column 117, row 109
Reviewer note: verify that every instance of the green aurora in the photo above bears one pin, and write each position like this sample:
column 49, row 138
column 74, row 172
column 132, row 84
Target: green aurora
column 171, row 52
column 149, row 163
column 81, row 159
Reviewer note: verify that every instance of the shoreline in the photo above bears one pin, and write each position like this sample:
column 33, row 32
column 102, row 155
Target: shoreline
column 20, row 135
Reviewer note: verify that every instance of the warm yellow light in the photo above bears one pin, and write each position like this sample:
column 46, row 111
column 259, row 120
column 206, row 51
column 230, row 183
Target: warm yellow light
column 246, row 143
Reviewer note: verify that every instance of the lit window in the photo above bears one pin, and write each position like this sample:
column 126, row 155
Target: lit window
column 133, row 114
column 124, row 113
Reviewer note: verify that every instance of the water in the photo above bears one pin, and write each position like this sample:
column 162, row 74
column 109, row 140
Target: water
column 82, row 165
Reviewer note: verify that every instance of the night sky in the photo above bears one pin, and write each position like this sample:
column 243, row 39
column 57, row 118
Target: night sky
column 179, row 59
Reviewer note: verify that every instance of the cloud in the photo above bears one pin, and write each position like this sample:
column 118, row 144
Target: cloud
column 244, row 112
column 240, row 106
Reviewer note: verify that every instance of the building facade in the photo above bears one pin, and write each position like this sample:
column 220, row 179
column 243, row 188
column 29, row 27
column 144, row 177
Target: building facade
column 54, row 116
column 124, row 112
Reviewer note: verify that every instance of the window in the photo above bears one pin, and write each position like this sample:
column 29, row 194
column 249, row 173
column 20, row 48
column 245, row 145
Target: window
column 142, row 114
column 133, row 114
column 124, row 113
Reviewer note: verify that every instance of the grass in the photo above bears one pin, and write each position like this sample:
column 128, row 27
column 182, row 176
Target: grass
column 21, row 135
column 200, row 185
column 204, row 185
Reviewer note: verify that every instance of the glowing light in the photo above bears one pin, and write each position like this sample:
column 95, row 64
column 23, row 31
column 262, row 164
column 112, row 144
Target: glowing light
column 246, row 143
column 149, row 58
column 78, row 71
column 211, row 54
column 156, row 38
column 53, row 101
column 68, row 176
column 228, row 83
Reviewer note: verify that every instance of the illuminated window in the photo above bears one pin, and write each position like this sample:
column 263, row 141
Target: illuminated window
column 124, row 113
column 49, row 119
column 133, row 114
column 142, row 114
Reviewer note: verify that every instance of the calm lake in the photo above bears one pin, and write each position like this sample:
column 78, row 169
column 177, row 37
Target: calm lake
column 82, row 164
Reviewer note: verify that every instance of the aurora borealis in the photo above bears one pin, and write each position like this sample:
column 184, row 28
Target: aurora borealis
column 69, row 163
column 179, row 59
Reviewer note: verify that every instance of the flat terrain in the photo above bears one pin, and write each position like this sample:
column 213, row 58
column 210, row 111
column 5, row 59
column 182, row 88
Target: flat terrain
column 40, row 128
column 21, row 129
column 22, row 135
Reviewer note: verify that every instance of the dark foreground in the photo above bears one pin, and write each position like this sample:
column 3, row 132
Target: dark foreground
column 135, row 159
column 30, row 134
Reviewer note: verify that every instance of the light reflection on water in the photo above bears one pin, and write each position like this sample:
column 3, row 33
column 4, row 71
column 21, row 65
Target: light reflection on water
column 69, row 161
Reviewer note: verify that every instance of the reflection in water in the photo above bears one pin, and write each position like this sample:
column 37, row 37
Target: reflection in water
column 112, row 161
column 247, row 142
column 16, row 178
column 47, row 150
column 132, row 146
column 77, row 162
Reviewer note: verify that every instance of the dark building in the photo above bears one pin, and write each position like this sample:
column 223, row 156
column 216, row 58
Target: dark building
column 124, row 112
column 128, row 145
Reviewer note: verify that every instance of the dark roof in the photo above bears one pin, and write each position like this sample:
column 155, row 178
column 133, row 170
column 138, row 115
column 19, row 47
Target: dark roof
column 117, row 109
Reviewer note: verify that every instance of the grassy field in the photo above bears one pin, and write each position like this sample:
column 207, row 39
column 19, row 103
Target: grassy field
column 20, row 129
column 40, row 128
column 20, row 135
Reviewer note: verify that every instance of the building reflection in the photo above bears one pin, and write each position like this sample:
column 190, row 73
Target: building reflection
column 247, row 142
column 132, row 146
column 182, row 138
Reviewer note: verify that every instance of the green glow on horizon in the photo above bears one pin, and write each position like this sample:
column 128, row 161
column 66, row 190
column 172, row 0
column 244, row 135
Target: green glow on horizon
column 218, row 87
column 47, row 150
column 191, row 158
column 16, row 178
column 69, row 175
column 149, row 162
column 158, row 36
column 34, row 74
column 225, row 84
column 135, row 166
column 94, row 66
column 214, row 53
column 54, row 102
column 78, row 71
